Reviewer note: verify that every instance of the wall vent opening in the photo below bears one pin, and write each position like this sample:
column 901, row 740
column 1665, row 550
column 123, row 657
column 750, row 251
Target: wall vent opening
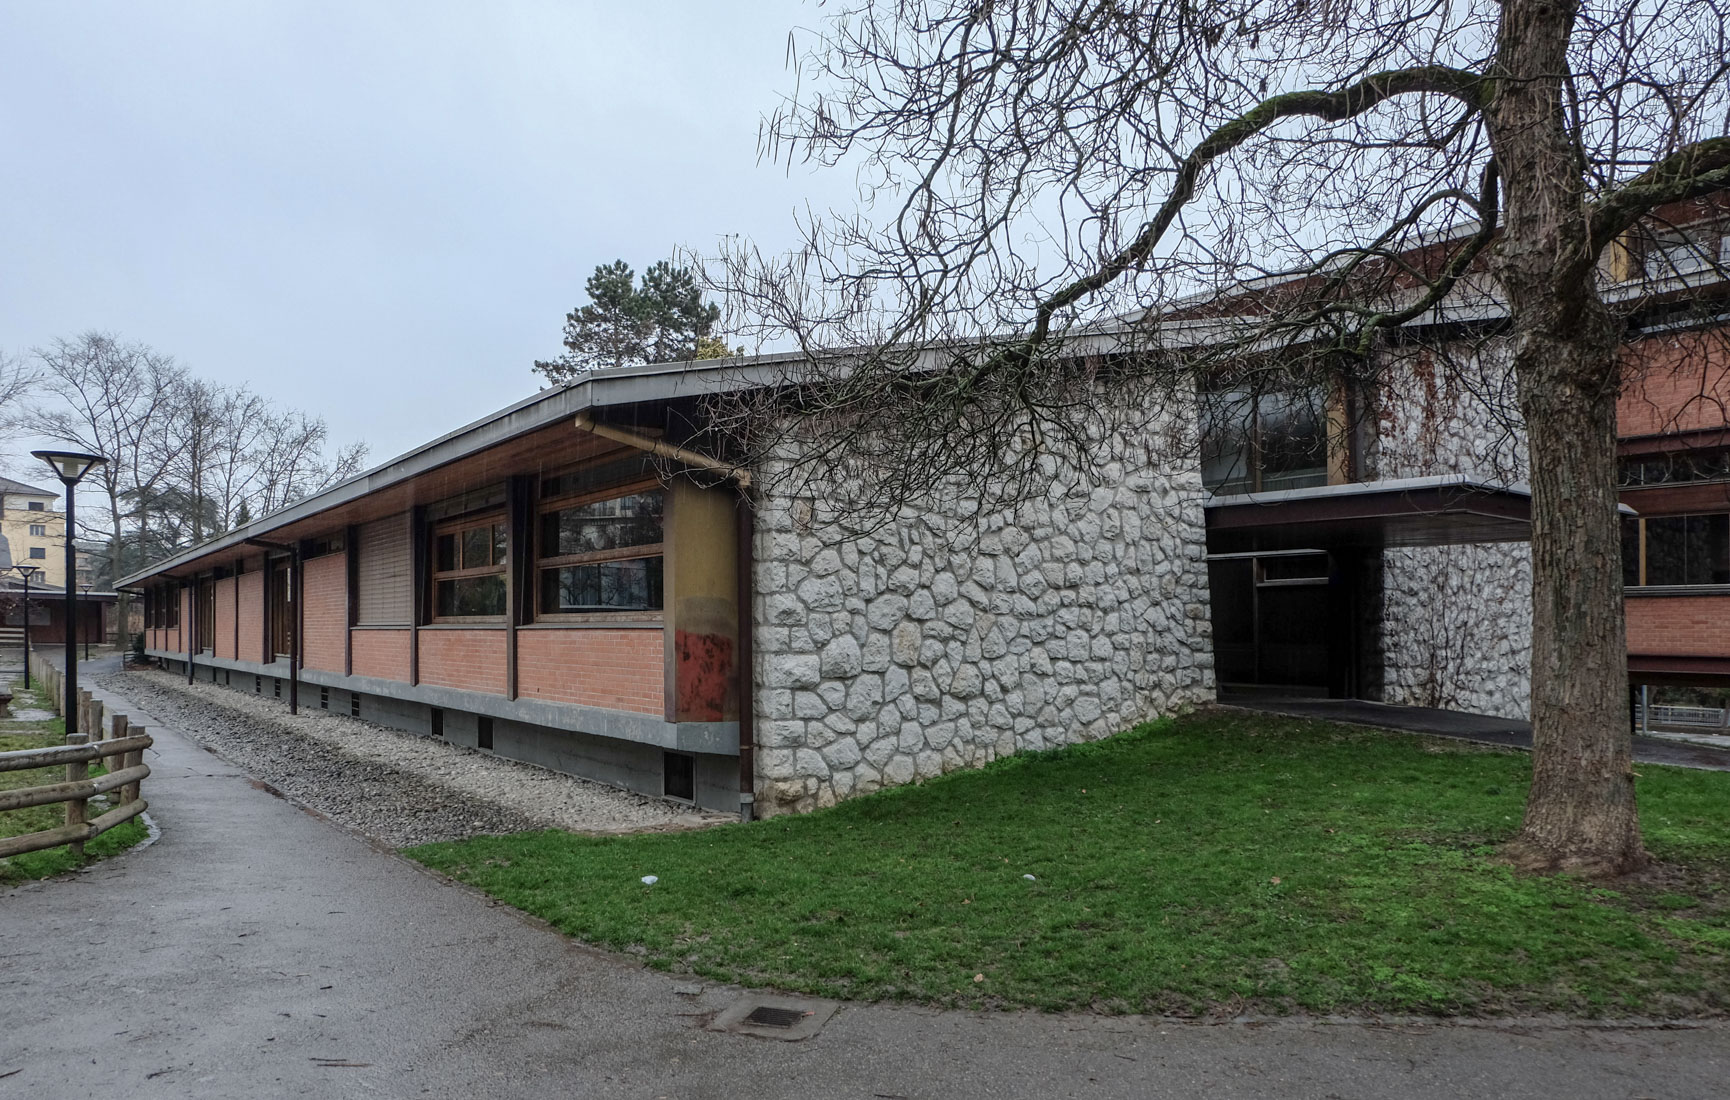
column 679, row 776
column 354, row 704
column 324, row 697
column 258, row 685
column 484, row 733
column 438, row 721
column 276, row 687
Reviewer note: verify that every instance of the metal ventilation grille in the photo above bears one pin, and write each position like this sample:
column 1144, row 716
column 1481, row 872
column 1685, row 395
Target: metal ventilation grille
column 771, row 1016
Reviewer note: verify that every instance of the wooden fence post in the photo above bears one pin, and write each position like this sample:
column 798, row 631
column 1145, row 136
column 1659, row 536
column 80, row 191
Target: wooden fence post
column 130, row 792
column 77, row 771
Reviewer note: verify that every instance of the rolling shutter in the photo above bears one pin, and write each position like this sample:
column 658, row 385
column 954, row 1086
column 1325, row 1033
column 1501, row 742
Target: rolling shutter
column 384, row 574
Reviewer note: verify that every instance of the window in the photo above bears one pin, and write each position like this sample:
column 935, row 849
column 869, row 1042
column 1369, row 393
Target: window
column 1262, row 442
column 1675, row 469
column 40, row 530
column 1679, row 252
column 469, row 569
column 1676, row 550
column 599, row 552
column 206, row 613
column 38, row 552
column 37, row 506
column 281, row 608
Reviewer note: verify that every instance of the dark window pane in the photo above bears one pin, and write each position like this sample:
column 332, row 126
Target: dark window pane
column 477, row 547
column 498, row 544
column 1688, row 550
column 447, row 553
column 1227, row 421
column 1294, row 442
column 626, row 521
column 472, row 596
column 632, row 585
column 619, row 472
column 1630, row 551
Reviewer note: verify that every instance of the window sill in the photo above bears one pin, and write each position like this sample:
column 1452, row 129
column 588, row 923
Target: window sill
column 466, row 624
column 1649, row 591
column 621, row 620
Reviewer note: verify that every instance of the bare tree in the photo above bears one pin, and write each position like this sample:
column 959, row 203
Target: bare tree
column 289, row 463
column 1045, row 178
column 113, row 400
column 18, row 380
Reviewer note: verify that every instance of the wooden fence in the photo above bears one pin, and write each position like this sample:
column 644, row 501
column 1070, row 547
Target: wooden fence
column 124, row 745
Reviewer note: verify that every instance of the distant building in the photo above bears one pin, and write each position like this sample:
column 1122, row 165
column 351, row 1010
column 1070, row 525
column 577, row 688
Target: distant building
column 32, row 531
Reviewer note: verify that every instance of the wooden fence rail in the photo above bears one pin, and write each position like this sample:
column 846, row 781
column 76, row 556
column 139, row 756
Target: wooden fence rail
column 124, row 745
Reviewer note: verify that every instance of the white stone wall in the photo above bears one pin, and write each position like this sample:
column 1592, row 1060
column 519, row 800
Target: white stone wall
column 907, row 651
column 1456, row 620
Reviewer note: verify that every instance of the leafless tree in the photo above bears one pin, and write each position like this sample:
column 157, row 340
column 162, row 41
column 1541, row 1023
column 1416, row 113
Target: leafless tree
column 113, row 399
column 18, row 380
column 289, row 462
column 1062, row 196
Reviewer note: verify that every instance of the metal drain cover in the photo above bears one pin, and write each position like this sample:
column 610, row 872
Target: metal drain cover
column 773, row 1017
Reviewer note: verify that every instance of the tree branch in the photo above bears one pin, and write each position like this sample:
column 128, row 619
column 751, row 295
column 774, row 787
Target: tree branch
column 1694, row 170
column 1337, row 106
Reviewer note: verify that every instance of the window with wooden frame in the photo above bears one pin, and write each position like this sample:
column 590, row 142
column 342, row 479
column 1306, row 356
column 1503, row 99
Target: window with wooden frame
column 468, row 573
column 206, row 613
column 281, row 595
column 599, row 546
column 1676, row 551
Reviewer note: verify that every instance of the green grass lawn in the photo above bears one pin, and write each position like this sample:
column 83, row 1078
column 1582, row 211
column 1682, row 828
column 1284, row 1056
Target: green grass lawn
column 52, row 861
column 1216, row 861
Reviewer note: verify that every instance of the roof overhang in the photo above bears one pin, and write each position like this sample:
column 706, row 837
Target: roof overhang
column 1419, row 511
column 1678, row 670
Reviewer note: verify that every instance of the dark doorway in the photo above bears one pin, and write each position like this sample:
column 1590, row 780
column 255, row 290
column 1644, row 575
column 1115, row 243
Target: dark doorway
column 1283, row 621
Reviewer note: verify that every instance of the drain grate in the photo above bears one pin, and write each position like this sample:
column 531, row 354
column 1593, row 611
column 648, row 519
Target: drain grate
column 772, row 1016
column 775, row 1016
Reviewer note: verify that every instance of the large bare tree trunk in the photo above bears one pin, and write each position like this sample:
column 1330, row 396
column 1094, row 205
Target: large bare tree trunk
column 1580, row 814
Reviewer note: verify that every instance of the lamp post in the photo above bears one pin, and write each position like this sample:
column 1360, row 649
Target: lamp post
column 70, row 467
column 26, row 571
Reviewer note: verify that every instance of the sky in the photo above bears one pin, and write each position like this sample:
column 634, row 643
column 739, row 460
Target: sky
column 376, row 211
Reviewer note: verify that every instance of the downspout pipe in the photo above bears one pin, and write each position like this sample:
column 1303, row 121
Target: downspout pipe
column 661, row 447
column 747, row 618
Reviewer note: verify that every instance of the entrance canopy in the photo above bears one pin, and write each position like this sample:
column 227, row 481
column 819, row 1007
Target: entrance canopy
column 1415, row 511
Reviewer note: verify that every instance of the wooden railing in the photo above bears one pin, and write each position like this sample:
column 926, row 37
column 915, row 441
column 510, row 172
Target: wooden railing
column 125, row 746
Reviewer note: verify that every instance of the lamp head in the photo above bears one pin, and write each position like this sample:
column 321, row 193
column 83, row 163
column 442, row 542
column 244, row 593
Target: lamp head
column 70, row 466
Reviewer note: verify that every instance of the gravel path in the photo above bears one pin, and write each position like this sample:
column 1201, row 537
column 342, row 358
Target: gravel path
column 400, row 788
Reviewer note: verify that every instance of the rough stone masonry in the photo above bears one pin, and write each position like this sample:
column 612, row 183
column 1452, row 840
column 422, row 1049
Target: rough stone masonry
column 935, row 643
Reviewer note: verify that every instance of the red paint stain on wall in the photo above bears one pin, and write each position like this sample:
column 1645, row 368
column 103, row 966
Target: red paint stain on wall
column 705, row 675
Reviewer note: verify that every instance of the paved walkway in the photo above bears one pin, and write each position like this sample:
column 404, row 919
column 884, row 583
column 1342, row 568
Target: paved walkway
column 1509, row 732
column 257, row 951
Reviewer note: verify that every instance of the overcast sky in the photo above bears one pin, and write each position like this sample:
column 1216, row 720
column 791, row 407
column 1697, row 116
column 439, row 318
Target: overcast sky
column 377, row 211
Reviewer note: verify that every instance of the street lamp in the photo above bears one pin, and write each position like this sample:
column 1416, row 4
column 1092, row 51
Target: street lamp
column 26, row 571
column 70, row 467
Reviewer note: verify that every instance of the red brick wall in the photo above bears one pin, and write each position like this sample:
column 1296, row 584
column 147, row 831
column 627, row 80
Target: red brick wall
column 615, row 669
column 382, row 654
column 326, row 611
column 1675, row 383
column 1679, row 625
column 223, row 644
column 473, row 660
column 252, row 616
